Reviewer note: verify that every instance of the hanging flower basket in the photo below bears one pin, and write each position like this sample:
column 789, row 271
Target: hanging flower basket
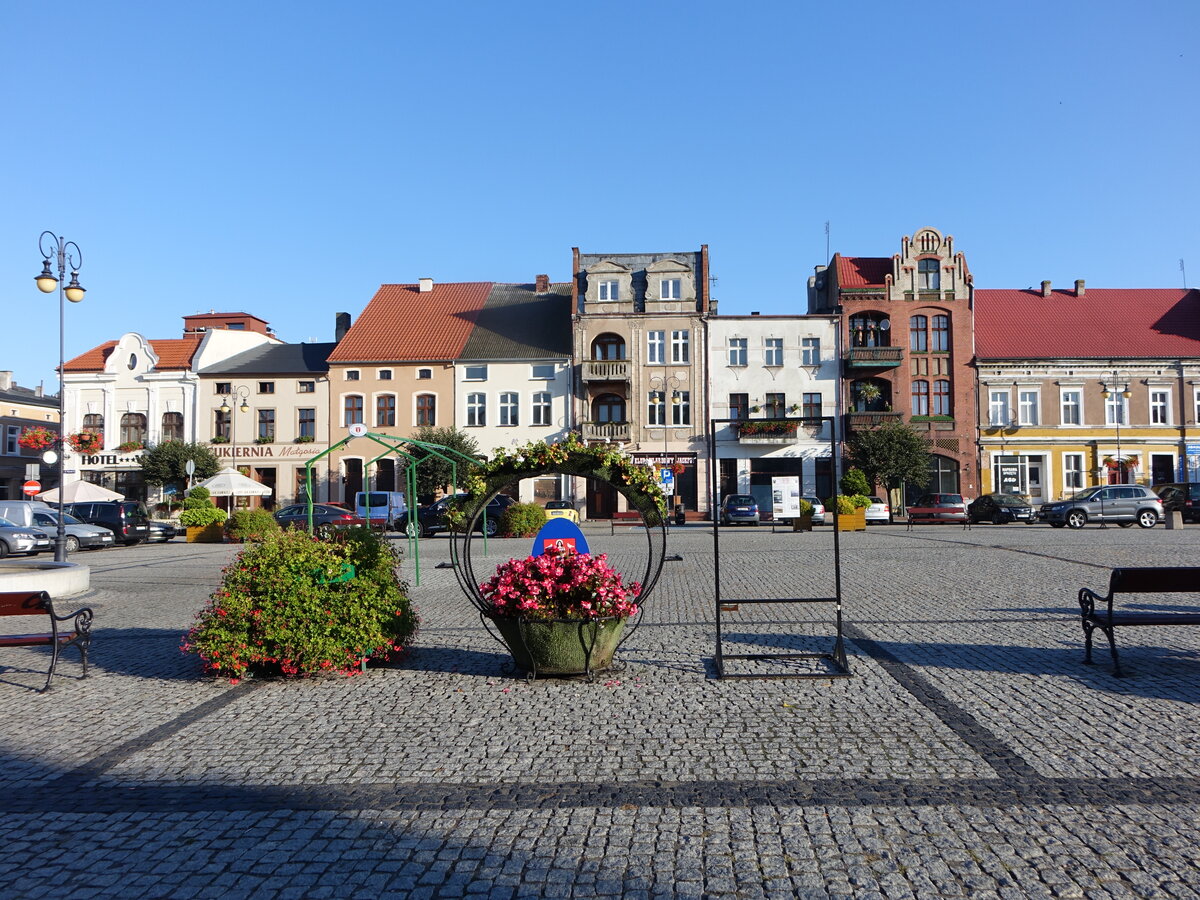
column 37, row 437
column 130, row 446
column 86, row 442
column 767, row 428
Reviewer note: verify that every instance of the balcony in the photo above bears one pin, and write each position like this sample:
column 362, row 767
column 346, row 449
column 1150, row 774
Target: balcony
column 874, row 357
column 606, row 369
column 605, row 431
column 862, row 420
column 932, row 423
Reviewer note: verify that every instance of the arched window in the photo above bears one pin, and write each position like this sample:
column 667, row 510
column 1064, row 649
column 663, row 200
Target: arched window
column 870, row 330
column 133, row 428
column 918, row 335
column 426, row 410
column 608, row 346
column 476, row 409
column 353, row 410
column 93, row 423
column 920, row 397
column 609, row 408
column 385, row 409
column 941, row 398
column 172, row 426
column 941, row 332
column 929, row 274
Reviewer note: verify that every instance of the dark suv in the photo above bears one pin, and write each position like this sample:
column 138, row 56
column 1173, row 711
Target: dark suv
column 126, row 519
column 1120, row 503
column 432, row 518
column 1183, row 497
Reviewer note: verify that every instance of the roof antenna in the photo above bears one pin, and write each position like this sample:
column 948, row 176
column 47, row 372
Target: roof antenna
column 827, row 239
column 1184, row 271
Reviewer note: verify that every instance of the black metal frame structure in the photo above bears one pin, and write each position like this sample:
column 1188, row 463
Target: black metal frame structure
column 836, row 657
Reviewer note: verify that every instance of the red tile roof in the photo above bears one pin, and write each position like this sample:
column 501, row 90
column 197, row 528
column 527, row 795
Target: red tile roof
column 401, row 323
column 863, row 271
column 1103, row 323
column 173, row 353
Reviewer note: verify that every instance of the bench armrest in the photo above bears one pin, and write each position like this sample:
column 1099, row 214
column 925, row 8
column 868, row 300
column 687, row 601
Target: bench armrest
column 82, row 619
column 1087, row 603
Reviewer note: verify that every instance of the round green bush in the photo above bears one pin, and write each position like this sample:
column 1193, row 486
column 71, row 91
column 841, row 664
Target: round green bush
column 251, row 524
column 199, row 493
column 296, row 605
column 855, row 482
column 201, row 516
column 522, row 520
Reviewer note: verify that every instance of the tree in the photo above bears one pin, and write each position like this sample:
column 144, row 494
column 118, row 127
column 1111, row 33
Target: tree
column 893, row 453
column 434, row 474
column 855, row 482
column 164, row 463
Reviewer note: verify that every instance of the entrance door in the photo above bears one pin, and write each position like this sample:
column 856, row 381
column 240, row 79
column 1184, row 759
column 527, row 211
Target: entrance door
column 267, row 477
column 1162, row 468
column 601, row 500
column 1035, row 482
column 353, row 482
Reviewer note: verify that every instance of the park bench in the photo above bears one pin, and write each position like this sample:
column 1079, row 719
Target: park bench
column 38, row 603
column 936, row 515
column 1099, row 612
column 629, row 517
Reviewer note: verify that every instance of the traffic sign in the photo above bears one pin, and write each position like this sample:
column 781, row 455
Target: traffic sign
column 30, row 488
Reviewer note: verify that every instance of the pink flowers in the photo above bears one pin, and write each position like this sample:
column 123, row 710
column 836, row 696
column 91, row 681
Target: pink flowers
column 573, row 586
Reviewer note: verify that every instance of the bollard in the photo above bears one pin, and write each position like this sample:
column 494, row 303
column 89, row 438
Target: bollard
column 1174, row 519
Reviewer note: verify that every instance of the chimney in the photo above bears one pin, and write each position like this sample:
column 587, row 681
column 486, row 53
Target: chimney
column 754, row 313
column 541, row 284
column 341, row 324
column 6, row 381
column 40, row 390
column 1045, row 289
column 425, row 285
column 1080, row 290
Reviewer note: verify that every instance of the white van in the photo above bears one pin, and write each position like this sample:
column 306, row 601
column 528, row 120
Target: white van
column 385, row 508
column 20, row 512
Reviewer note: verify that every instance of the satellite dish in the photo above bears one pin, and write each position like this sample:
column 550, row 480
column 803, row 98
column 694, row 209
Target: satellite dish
column 885, row 325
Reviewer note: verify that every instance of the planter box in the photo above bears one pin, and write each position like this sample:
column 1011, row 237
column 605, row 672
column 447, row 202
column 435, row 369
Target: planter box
column 206, row 534
column 855, row 521
column 559, row 647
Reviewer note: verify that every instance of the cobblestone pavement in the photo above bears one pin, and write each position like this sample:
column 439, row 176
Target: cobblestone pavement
column 971, row 753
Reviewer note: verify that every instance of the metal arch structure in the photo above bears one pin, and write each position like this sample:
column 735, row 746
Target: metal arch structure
column 415, row 452
column 836, row 656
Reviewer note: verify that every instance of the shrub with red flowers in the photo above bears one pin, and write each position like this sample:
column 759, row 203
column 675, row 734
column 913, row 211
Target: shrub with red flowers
column 37, row 437
column 86, row 442
column 573, row 586
column 298, row 605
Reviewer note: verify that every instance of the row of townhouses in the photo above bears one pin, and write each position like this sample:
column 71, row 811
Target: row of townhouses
column 1037, row 391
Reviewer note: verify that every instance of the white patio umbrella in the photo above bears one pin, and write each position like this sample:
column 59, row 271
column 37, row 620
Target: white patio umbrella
column 232, row 483
column 81, row 492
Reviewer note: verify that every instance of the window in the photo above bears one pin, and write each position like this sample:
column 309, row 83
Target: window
column 385, row 375
column 221, row 427
column 680, row 346
column 870, row 330
column 941, row 398
column 133, row 428
column 1027, row 407
column 998, row 408
column 352, row 374
column 353, row 410
column 266, row 424
column 541, row 408
column 669, row 288
column 656, row 408
column 609, row 290
column 385, row 409
column 223, row 387
column 941, row 332
column 681, row 408
column 93, row 423
column 609, row 408
column 306, row 387
column 476, row 409
column 11, row 447
column 1070, row 407
column 543, row 372
column 773, row 352
column 172, row 426
column 1072, row 471
column 656, row 347
column 928, row 274
column 737, row 351
column 739, row 406
column 1196, row 406
column 608, row 346
column 266, row 387
column 427, row 410
column 810, row 351
column 1160, row 407
column 1116, row 409
column 917, row 333
column 509, row 407
column 811, row 408
column 475, row 373
column 775, row 406
column 920, row 397
column 424, row 374
column 306, row 425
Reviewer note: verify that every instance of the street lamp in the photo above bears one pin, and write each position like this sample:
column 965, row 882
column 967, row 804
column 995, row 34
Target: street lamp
column 226, row 409
column 1117, row 385
column 63, row 252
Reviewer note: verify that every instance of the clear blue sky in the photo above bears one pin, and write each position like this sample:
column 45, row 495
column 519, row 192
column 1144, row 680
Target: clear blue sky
column 285, row 159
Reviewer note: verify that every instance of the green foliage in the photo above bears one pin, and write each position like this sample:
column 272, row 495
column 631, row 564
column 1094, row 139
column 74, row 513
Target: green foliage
column 251, row 524
column 848, row 504
column 164, row 464
column 433, row 473
column 854, row 482
column 806, row 508
column 522, row 520
column 201, row 516
column 199, row 493
column 280, row 608
column 891, row 454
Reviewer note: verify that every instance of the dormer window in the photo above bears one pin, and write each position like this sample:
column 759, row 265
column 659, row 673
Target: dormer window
column 610, row 290
column 669, row 288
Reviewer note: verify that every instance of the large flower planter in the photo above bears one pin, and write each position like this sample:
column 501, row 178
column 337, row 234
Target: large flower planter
column 855, row 521
column 803, row 523
column 561, row 647
column 206, row 534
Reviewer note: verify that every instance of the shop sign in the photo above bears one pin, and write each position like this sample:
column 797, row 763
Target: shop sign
column 267, row 451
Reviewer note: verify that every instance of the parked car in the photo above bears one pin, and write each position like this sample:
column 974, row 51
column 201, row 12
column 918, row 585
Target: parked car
column 1183, row 497
column 325, row 516
column 740, row 509
column 1123, row 504
column 16, row 538
column 562, row 509
column 1000, row 509
column 818, row 510
column 431, row 518
column 78, row 534
column 879, row 512
column 387, row 509
column 952, row 503
column 20, row 512
column 161, row 532
column 126, row 519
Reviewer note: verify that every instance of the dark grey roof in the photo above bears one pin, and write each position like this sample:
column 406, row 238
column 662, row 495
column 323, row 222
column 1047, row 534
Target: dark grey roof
column 18, row 394
column 276, row 359
column 518, row 323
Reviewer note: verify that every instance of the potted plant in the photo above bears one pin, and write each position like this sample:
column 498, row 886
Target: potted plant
column 804, row 521
column 560, row 614
column 204, row 522
column 264, row 439
column 220, row 439
column 305, row 439
column 86, row 442
column 37, row 437
column 130, row 446
column 851, row 511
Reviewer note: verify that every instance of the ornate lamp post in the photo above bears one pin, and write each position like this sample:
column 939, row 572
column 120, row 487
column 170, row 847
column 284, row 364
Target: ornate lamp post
column 1117, row 385
column 63, row 252
column 244, row 393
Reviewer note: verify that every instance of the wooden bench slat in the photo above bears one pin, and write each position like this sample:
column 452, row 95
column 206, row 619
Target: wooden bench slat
column 30, row 603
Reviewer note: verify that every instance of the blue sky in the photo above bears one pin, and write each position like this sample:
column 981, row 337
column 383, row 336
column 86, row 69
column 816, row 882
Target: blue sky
column 285, row 159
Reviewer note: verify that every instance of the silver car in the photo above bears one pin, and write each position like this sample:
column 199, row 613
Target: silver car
column 78, row 534
column 16, row 538
column 1123, row 504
